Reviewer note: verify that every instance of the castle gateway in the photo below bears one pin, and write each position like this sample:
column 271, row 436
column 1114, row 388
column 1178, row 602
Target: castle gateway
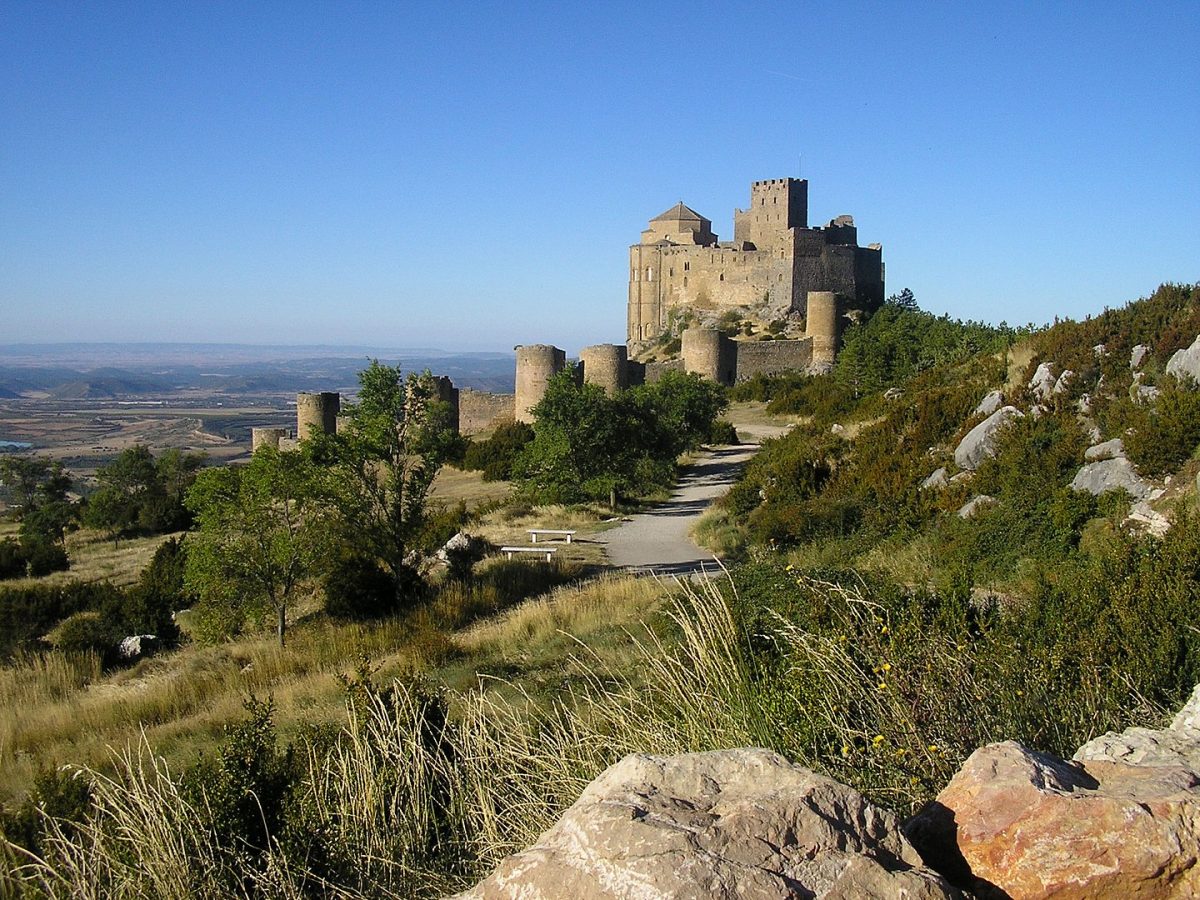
column 769, row 267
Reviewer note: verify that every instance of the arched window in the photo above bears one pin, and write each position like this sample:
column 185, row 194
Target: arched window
column 649, row 273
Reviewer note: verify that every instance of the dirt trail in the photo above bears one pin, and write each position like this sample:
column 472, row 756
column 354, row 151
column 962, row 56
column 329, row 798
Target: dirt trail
column 657, row 541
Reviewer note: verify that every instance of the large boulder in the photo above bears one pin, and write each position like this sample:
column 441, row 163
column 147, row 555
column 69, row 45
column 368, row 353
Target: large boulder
column 1136, row 355
column 1114, row 449
column 132, row 648
column 980, row 442
column 1019, row 824
column 991, row 402
column 1185, row 364
column 1111, row 475
column 1043, row 381
column 936, row 481
column 734, row 823
column 975, row 506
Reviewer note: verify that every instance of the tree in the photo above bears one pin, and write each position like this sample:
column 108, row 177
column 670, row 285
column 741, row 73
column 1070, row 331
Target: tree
column 382, row 463
column 37, row 489
column 590, row 446
column 260, row 534
column 139, row 493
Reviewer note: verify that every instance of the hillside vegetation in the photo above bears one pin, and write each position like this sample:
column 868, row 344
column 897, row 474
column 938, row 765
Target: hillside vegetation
column 868, row 628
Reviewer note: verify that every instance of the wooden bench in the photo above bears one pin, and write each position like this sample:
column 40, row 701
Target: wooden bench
column 534, row 532
column 548, row 551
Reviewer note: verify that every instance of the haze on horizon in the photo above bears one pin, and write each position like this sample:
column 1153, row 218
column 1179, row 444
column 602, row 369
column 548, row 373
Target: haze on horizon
column 469, row 176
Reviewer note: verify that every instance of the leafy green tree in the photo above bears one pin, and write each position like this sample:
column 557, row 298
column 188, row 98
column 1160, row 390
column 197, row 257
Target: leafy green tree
column 381, row 467
column 139, row 493
column 37, row 490
column 261, row 529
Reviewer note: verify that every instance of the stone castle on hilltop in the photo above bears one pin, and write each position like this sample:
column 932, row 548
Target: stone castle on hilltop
column 775, row 266
column 774, row 260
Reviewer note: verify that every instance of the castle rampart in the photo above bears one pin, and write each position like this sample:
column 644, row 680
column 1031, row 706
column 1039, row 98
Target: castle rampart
column 266, row 437
column 317, row 413
column 536, row 365
column 606, row 365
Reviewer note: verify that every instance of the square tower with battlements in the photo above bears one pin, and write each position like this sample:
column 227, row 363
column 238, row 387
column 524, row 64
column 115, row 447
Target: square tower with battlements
column 769, row 267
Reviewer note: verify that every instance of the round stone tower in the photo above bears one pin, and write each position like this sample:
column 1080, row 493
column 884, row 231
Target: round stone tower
column 266, row 437
column 821, row 324
column 317, row 413
column 536, row 365
column 606, row 365
column 709, row 354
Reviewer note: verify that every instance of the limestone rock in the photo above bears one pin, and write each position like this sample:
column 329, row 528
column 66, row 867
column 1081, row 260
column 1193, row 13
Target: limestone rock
column 1110, row 475
column 958, row 477
column 1100, row 351
column 991, row 402
column 936, row 481
column 1185, row 364
column 1143, row 394
column 1137, row 355
column 975, row 505
column 735, row 823
column 893, row 393
column 134, row 647
column 1176, row 745
column 836, row 428
column 980, row 442
column 1143, row 516
column 1015, row 823
column 1064, row 382
column 1114, row 449
column 1043, row 381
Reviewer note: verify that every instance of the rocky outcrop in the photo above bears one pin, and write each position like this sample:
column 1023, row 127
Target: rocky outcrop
column 1111, row 475
column 980, row 442
column 937, row 480
column 132, row 648
column 1023, row 825
column 975, row 506
column 1043, row 381
column 736, row 823
column 1064, row 382
column 1137, row 355
column 1185, row 364
column 1114, row 449
column 991, row 402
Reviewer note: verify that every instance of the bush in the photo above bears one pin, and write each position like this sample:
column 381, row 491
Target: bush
column 1166, row 434
column 495, row 456
column 722, row 432
column 12, row 559
column 88, row 631
column 357, row 587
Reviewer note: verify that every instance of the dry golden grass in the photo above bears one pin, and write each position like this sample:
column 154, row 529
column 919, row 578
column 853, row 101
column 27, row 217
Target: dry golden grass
column 453, row 485
column 95, row 558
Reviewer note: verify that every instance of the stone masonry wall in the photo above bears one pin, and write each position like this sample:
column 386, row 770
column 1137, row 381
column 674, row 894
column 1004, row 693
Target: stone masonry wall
column 772, row 357
column 479, row 410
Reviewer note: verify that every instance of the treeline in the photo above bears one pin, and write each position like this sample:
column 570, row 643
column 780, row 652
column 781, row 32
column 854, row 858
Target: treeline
column 139, row 494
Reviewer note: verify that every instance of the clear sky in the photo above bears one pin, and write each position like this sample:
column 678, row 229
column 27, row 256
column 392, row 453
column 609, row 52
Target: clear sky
column 469, row 176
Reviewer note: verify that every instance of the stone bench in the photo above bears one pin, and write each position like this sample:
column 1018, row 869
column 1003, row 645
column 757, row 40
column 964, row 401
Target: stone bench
column 548, row 552
column 534, row 532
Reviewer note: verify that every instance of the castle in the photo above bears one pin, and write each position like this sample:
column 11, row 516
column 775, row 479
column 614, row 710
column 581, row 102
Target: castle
column 772, row 263
column 776, row 265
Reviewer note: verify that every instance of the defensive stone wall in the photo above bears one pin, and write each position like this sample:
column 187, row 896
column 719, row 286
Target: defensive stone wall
column 822, row 326
column 266, row 437
column 772, row 357
column 480, row 410
column 536, row 365
column 606, row 365
column 654, row 371
column 317, row 413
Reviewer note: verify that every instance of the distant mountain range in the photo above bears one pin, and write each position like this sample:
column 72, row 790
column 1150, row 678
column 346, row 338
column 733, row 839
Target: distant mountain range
column 114, row 371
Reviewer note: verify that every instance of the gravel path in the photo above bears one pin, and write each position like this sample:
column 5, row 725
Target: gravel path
column 657, row 540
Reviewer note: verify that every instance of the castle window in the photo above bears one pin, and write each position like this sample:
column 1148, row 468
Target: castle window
column 687, row 266
column 649, row 273
column 671, row 272
column 722, row 276
column 685, row 281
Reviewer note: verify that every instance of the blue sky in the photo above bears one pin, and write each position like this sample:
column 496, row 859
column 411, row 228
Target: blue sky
column 469, row 176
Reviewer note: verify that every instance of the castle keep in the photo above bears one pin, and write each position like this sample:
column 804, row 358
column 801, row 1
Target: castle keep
column 772, row 263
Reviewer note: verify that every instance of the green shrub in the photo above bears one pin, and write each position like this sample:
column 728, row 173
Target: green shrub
column 43, row 557
column 88, row 631
column 1166, row 433
column 495, row 456
column 722, row 432
column 357, row 587
column 12, row 559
